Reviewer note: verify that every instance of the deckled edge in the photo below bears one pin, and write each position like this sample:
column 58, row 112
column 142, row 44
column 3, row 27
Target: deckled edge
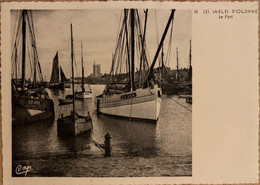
column 198, row 1
column 1, row 141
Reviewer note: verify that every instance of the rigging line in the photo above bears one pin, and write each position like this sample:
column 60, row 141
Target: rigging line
column 33, row 41
column 16, row 28
column 119, row 24
column 30, row 37
column 112, row 66
column 14, row 63
column 180, row 104
column 18, row 63
column 168, row 55
column 143, row 50
column 140, row 40
column 75, row 65
column 17, row 43
column 157, row 36
column 127, row 44
column 14, row 46
column 139, row 55
column 16, row 35
column 35, row 50
column 121, row 55
column 14, row 55
column 119, row 50
column 124, row 53
column 30, row 62
column 119, row 35
column 118, row 60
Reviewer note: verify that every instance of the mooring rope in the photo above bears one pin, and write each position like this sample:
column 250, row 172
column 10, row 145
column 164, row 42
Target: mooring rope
column 181, row 104
column 96, row 144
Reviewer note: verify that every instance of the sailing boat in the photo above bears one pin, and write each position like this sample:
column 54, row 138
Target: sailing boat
column 141, row 100
column 83, row 94
column 169, row 86
column 34, row 104
column 58, row 77
column 74, row 123
column 189, row 99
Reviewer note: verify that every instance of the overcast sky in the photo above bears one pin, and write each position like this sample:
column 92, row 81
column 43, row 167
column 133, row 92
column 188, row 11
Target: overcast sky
column 98, row 30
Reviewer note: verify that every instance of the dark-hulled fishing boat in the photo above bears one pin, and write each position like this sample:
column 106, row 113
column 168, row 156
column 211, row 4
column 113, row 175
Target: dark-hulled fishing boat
column 34, row 104
column 73, row 124
column 58, row 78
column 178, row 87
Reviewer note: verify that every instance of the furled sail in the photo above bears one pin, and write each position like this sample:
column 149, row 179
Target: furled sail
column 55, row 69
column 62, row 76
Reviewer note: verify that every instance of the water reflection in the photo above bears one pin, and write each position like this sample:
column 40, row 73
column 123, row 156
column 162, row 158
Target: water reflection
column 28, row 139
column 135, row 138
column 76, row 144
column 171, row 136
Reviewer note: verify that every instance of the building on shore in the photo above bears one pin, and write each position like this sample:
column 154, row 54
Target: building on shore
column 96, row 70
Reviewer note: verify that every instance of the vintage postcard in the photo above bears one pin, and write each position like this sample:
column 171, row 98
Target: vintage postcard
column 129, row 92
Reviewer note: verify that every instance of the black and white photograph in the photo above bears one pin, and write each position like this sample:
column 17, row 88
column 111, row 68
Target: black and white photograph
column 129, row 93
column 101, row 92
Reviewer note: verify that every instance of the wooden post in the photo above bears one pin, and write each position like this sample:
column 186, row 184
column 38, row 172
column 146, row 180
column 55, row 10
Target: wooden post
column 107, row 145
column 98, row 106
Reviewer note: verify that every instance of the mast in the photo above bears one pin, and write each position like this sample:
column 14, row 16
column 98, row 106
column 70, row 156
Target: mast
column 190, row 72
column 72, row 70
column 82, row 80
column 127, row 46
column 37, row 66
column 15, row 59
column 94, row 69
column 160, row 46
column 162, row 65
column 132, row 17
column 34, row 71
column 178, row 77
column 23, row 48
column 142, row 59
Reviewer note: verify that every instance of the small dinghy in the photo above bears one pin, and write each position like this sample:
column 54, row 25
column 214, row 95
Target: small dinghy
column 65, row 101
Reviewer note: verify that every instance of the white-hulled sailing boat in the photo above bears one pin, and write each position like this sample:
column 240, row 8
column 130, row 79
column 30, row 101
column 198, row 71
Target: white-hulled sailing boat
column 74, row 123
column 83, row 94
column 143, row 99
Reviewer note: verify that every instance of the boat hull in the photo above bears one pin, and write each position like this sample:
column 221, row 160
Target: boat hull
column 141, row 104
column 69, row 126
column 28, row 110
column 83, row 95
column 65, row 101
column 67, row 85
column 60, row 86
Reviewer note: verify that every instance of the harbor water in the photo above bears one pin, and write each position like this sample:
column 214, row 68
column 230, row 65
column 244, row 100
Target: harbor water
column 139, row 148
